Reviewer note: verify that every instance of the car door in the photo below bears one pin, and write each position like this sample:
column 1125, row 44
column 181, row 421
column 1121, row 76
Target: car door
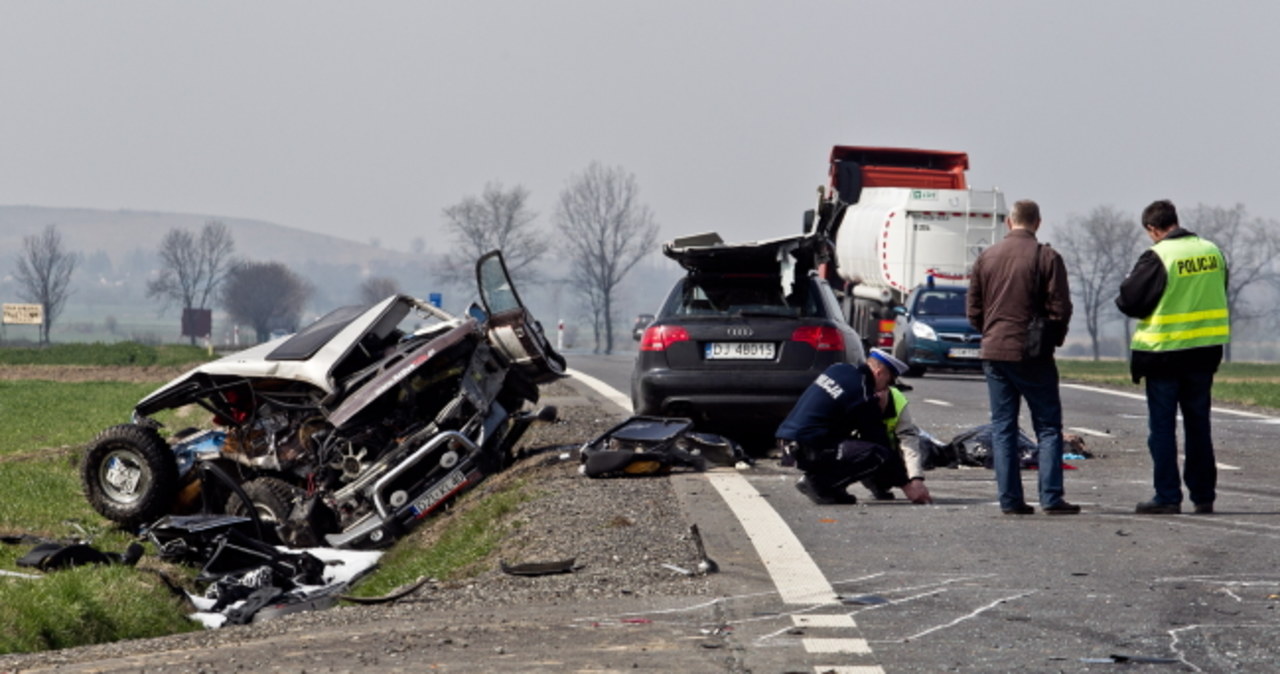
column 511, row 328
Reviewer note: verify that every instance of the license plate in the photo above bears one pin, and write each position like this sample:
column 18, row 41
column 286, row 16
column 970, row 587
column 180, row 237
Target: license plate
column 438, row 493
column 739, row 350
column 964, row 353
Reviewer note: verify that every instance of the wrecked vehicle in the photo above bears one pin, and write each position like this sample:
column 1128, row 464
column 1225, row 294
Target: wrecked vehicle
column 345, row 433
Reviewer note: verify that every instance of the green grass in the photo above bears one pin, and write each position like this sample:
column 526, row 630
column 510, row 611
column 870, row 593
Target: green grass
column 41, row 414
column 461, row 542
column 119, row 353
column 86, row 605
column 1255, row 384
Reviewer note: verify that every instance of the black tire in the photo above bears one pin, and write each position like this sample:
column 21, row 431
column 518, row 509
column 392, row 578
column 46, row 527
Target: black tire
column 130, row 475
column 272, row 497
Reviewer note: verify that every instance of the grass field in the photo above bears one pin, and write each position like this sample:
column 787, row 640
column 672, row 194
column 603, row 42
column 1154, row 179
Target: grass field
column 1255, row 384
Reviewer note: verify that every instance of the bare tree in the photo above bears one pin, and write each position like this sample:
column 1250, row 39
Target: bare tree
column 1099, row 249
column 266, row 295
column 378, row 288
column 44, row 274
column 606, row 232
column 191, row 268
column 499, row 219
column 1250, row 246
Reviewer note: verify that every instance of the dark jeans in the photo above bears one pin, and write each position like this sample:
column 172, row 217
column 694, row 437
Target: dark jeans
column 1190, row 393
column 835, row 469
column 1007, row 384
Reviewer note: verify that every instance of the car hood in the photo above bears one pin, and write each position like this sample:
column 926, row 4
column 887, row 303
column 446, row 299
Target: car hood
column 947, row 323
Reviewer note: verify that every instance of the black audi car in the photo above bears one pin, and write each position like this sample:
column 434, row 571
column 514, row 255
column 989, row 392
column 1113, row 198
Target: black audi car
column 740, row 336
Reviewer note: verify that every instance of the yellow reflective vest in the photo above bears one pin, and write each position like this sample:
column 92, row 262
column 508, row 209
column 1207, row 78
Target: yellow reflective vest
column 1192, row 312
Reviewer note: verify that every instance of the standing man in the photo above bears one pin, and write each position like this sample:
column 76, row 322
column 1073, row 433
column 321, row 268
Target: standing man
column 1002, row 300
column 816, row 435
column 1178, row 290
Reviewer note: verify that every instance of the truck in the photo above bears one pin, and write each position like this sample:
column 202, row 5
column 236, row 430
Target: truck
column 896, row 220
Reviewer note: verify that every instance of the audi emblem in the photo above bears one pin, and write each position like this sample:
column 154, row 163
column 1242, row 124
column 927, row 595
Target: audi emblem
column 740, row 332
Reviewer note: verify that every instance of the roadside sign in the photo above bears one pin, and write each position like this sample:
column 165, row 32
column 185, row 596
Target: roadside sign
column 24, row 314
column 435, row 299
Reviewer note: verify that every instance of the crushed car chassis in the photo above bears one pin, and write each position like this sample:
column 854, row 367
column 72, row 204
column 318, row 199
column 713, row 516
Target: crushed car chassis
column 345, row 433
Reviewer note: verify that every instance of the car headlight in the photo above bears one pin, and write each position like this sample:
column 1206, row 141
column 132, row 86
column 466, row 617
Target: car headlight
column 923, row 331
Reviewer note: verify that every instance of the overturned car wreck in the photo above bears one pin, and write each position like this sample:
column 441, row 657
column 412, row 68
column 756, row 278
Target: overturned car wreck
column 345, row 433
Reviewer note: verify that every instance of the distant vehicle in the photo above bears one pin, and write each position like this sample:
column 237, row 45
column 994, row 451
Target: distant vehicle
column 896, row 217
column 932, row 331
column 740, row 336
column 642, row 322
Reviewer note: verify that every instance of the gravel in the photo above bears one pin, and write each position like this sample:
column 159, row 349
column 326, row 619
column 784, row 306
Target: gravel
column 620, row 533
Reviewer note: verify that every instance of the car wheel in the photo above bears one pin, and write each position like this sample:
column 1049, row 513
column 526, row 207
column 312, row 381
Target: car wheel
column 272, row 498
column 130, row 475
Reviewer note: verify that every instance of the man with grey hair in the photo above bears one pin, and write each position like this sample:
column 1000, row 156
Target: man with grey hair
column 1014, row 283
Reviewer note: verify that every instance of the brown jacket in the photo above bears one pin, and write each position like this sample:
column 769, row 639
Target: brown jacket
column 1000, row 298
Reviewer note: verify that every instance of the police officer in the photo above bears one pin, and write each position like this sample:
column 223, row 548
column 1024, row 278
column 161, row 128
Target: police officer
column 1178, row 290
column 904, row 437
column 816, row 435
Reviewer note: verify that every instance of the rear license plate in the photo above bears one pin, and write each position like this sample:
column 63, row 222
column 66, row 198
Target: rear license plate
column 964, row 353
column 438, row 493
column 739, row 350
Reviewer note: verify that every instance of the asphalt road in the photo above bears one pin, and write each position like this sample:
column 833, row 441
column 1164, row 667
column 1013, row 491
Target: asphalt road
column 958, row 586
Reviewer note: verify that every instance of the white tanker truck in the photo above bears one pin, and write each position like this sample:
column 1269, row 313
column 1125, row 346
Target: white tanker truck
column 897, row 219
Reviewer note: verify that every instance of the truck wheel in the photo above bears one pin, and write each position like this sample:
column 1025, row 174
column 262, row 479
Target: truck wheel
column 130, row 475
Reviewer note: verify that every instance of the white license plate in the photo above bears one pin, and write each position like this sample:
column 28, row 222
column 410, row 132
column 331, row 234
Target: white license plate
column 438, row 493
column 739, row 350
column 964, row 353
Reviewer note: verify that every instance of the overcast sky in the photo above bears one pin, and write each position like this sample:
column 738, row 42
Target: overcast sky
column 366, row 119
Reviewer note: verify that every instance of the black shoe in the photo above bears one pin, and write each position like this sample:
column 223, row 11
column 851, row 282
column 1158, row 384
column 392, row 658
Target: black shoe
column 1157, row 508
column 882, row 495
column 836, row 497
column 1061, row 508
column 1021, row 509
column 1204, row 508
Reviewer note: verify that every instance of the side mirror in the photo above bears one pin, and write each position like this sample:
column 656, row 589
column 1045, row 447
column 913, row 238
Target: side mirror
column 900, row 310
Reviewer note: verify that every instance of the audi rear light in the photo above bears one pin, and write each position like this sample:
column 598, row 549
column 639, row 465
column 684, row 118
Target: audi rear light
column 885, row 338
column 661, row 337
column 820, row 337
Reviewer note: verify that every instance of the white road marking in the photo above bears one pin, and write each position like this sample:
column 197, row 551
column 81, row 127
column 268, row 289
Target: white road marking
column 610, row 393
column 1227, row 466
column 823, row 620
column 1090, row 431
column 797, row 577
column 1139, row 396
column 934, row 401
column 858, row 646
column 794, row 573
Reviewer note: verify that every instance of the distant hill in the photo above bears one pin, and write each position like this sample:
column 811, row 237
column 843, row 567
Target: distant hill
column 119, row 233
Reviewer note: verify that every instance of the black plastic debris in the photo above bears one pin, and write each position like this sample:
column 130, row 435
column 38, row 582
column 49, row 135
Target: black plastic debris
column 538, row 568
column 53, row 556
column 640, row 446
column 863, row 600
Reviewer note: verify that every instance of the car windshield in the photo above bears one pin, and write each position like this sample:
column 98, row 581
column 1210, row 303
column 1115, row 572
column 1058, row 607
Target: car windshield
column 736, row 295
column 940, row 302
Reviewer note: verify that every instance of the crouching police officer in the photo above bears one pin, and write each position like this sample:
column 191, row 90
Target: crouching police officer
column 816, row 435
